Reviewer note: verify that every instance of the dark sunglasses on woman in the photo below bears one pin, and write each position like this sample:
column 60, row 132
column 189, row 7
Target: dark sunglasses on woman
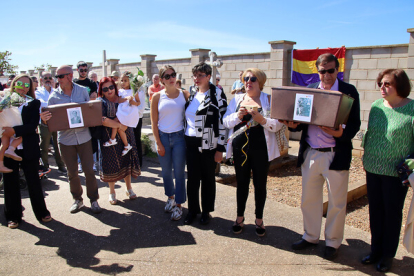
column 253, row 79
column 167, row 77
column 106, row 89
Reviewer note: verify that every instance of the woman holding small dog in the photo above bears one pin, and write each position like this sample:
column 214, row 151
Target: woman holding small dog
column 388, row 140
column 252, row 142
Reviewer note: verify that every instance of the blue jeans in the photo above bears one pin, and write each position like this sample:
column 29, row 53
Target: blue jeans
column 174, row 157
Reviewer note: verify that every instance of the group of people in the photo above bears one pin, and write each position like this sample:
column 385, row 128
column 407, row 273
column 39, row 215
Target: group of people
column 196, row 127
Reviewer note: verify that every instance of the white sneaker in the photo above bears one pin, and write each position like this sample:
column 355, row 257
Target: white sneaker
column 169, row 205
column 177, row 213
column 76, row 206
column 80, row 168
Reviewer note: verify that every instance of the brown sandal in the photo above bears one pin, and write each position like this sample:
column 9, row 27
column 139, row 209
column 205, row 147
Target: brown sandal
column 13, row 224
column 46, row 219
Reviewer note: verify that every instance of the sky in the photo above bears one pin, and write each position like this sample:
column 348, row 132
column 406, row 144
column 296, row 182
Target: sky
column 65, row 32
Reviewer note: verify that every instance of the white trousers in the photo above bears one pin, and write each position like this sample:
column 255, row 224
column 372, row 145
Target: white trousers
column 315, row 171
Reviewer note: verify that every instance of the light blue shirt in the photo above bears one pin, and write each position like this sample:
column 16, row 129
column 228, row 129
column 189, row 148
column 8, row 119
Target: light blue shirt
column 75, row 136
column 43, row 96
column 237, row 84
column 317, row 138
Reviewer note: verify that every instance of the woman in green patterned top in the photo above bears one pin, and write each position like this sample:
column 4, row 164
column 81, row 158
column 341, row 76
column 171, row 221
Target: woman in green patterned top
column 388, row 140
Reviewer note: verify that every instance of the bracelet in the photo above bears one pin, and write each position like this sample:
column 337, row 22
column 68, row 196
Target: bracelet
column 264, row 120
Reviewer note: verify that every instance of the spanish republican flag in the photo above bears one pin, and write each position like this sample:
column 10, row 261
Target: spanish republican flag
column 304, row 71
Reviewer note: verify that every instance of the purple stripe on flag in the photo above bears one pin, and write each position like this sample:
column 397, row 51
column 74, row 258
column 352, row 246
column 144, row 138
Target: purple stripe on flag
column 306, row 79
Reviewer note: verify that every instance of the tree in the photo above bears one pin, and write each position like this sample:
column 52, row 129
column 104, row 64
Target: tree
column 46, row 66
column 5, row 66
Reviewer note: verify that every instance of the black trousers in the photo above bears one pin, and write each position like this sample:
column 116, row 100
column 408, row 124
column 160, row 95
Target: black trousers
column 12, row 197
column 386, row 197
column 200, row 170
column 256, row 162
column 137, row 134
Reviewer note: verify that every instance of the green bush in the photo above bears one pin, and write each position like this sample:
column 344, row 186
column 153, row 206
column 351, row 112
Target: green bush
column 146, row 142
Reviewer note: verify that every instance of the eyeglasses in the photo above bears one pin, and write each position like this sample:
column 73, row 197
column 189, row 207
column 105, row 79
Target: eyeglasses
column 253, row 79
column 217, row 79
column 20, row 83
column 330, row 71
column 83, row 70
column 61, row 76
column 47, row 78
column 106, row 89
column 385, row 83
column 199, row 76
column 167, row 77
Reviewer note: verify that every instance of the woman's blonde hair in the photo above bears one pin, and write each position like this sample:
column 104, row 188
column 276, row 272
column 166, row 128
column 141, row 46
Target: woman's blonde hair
column 259, row 74
column 31, row 91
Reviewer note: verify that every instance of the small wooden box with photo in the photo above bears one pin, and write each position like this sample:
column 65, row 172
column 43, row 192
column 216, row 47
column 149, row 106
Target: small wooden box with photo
column 74, row 115
column 310, row 106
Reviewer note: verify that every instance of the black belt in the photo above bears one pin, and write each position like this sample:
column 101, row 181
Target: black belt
column 325, row 149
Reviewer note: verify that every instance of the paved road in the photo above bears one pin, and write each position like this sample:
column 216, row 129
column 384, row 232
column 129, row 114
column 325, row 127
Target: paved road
column 137, row 237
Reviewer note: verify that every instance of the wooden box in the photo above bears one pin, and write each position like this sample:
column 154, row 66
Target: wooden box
column 329, row 108
column 74, row 115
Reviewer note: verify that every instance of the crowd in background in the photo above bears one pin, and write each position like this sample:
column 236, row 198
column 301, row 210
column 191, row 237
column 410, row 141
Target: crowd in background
column 194, row 128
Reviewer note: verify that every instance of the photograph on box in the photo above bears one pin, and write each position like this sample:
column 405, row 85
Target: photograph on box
column 75, row 117
column 303, row 107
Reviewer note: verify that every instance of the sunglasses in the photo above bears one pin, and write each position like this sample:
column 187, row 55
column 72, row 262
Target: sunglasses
column 106, row 89
column 20, row 83
column 61, row 76
column 385, row 83
column 330, row 71
column 217, row 79
column 253, row 79
column 167, row 77
column 47, row 78
column 199, row 76
column 83, row 70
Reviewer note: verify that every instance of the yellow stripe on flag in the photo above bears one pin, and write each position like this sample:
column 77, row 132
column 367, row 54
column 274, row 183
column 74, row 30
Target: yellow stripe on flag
column 308, row 67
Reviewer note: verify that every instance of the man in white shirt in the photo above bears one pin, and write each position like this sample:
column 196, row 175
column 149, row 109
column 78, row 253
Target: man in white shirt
column 42, row 94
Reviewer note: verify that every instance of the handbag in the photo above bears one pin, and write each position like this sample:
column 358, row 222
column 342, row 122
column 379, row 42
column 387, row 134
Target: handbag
column 281, row 140
column 405, row 168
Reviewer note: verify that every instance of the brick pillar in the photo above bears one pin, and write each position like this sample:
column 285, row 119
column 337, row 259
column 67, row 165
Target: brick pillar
column 112, row 64
column 53, row 71
column 199, row 55
column 146, row 65
column 31, row 72
column 39, row 73
column 89, row 65
column 410, row 58
column 280, row 62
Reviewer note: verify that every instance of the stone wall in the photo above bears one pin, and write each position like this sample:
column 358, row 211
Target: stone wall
column 362, row 65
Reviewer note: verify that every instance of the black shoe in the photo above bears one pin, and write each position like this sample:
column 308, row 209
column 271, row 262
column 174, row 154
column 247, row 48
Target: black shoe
column 370, row 259
column 260, row 230
column 238, row 227
column 205, row 218
column 302, row 244
column 384, row 264
column 189, row 218
column 330, row 253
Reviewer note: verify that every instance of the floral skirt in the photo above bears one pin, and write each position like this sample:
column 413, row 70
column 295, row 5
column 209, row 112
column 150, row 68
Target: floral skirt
column 115, row 166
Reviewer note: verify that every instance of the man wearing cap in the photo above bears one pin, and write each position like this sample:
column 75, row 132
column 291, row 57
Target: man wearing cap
column 42, row 94
column 325, row 155
column 74, row 142
column 114, row 76
column 84, row 81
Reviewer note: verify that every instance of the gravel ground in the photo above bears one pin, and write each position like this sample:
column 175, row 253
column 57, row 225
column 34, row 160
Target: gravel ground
column 285, row 186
